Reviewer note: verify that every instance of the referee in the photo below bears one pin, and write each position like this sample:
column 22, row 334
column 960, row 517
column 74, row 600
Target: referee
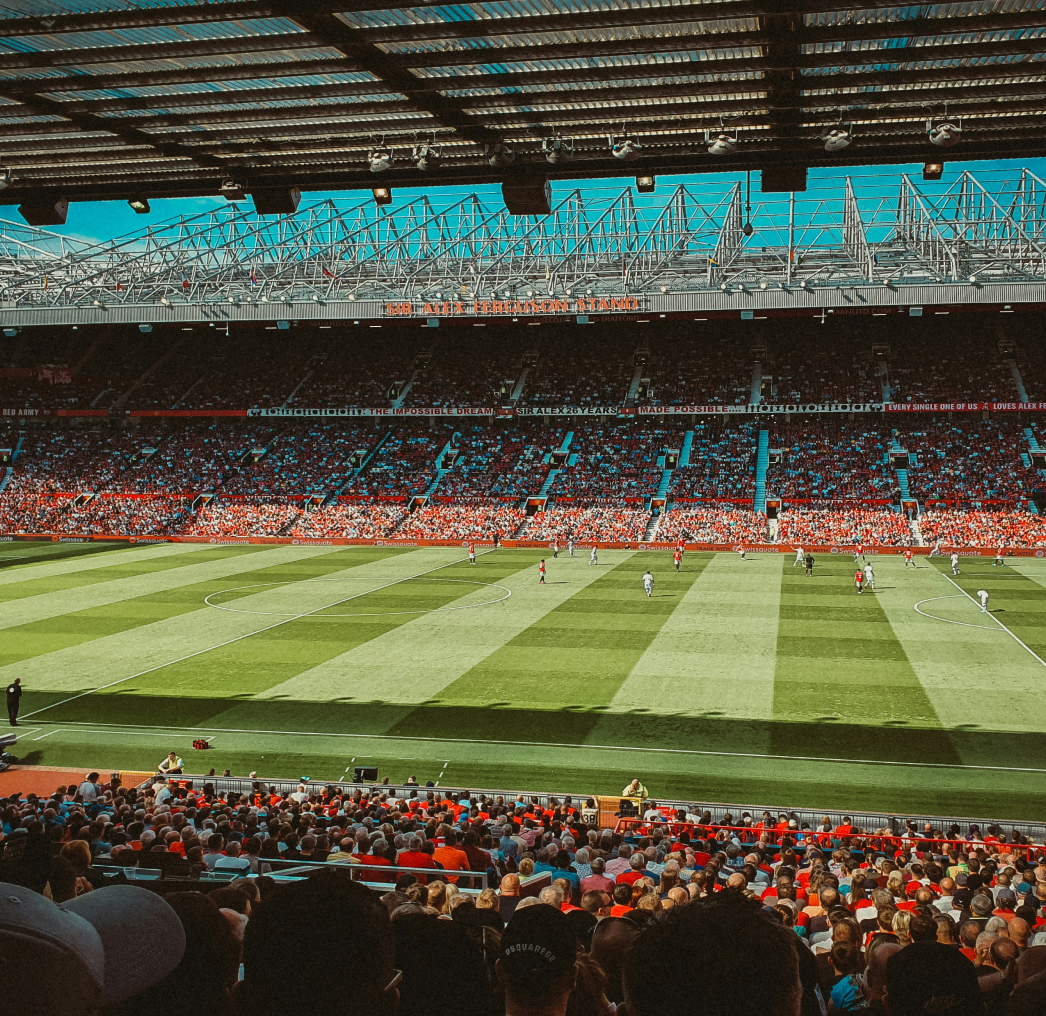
column 14, row 694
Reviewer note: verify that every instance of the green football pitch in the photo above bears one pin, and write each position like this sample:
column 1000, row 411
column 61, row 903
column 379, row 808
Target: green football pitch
column 739, row 681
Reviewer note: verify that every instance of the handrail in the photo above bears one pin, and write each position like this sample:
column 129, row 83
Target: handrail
column 753, row 836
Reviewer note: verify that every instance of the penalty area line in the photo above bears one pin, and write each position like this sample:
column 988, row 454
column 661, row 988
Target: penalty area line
column 1027, row 648
column 148, row 731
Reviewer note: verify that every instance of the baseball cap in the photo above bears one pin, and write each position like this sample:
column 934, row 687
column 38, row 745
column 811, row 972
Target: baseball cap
column 537, row 946
column 931, row 978
column 1005, row 895
column 69, row 959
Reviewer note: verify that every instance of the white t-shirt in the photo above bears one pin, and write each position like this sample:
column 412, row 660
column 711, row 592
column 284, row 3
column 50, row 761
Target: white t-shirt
column 88, row 791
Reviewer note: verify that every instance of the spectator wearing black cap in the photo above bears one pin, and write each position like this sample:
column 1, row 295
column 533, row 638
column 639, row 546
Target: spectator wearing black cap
column 538, row 965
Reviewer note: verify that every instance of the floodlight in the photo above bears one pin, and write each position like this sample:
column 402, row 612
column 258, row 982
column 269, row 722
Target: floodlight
column 933, row 170
column 6, row 176
column 645, row 184
column 945, row 132
column 426, row 157
column 140, row 205
column 382, row 195
column 721, row 144
column 625, row 148
column 557, row 150
column 499, row 155
column 381, row 159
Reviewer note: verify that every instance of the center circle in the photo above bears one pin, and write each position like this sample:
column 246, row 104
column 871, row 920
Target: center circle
column 358, row 578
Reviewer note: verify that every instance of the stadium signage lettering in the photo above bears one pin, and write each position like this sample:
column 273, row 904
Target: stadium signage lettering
column 764, row 409
column 568, row 411
column 964, row 407
column 379, row 411
column 512, row 308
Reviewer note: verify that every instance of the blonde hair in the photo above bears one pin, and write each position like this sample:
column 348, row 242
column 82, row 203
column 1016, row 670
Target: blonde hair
column 487, row 900
column 526, row 868
column 437, row 895
column 901, row 922
column 78, row 853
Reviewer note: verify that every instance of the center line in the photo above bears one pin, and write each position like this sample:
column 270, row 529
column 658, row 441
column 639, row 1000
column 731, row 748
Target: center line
column 240, row 638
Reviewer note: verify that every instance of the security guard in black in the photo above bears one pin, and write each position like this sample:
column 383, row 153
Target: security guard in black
column 14, row 693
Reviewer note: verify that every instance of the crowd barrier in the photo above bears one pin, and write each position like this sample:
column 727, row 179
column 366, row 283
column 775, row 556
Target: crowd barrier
column 580, row 545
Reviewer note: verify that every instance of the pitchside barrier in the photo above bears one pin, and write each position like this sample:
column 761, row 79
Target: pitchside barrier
column 608, row 808
column 337, row 541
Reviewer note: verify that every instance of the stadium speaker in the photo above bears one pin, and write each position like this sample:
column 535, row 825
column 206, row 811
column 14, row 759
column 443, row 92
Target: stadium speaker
column 778, row 179
column 45, row 211
column 527, row 196
column 365, row 774
column 276, row 200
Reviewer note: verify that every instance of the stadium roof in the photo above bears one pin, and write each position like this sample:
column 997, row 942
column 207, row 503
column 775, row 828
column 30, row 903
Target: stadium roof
column 144, row 98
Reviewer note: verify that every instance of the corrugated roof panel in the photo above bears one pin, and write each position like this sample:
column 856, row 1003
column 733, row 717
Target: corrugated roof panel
column 521, row 9
column 922, row 65
column 240, row 84
column 914, row 42
column 683, row 28
column 153, row 36
column 261, row 59
column 44, row 118
column 648, row 80
column 591, row 62
column 885, row 15
column 236, row 107
column 50, row 8
column 652, row 103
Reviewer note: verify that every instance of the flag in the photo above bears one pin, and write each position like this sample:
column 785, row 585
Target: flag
column 45, row 282
column 119, row 287
column 254, row 281
column 185, row 283
column 330, row 275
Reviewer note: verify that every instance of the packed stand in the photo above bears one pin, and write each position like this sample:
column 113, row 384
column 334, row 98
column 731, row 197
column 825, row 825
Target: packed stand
column 804, row 525
column 688, row 369
column 121, row 516
column 948, row 365
column 614, row 461
column 358, row 371
column 469, row 372
column 498, row 460
column 825, row 460
column 518, row 906
column 976, row 460
column 405, row 465
column 56, row 459
column 349, row 520
column 722, row 463
column 801, row 368
column 253, row 371
column 577, row 368
column 721, row 524
column 472, row 520
column 611, row 522
column 952, row 528
column 240, row 518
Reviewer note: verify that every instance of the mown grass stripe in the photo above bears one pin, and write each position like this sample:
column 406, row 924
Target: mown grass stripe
column 555, row 675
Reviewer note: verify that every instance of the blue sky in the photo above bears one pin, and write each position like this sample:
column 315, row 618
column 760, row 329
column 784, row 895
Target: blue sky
column 107, row 220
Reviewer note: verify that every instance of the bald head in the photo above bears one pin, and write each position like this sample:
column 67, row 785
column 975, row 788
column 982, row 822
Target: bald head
column 510, row 885
column 736, row 881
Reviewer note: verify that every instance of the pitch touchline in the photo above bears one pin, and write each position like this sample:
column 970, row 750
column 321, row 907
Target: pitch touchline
column 239, row 638
column 996, row 620
column 69, row 724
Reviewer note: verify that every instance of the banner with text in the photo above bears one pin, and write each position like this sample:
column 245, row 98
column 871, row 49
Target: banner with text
column 529, row 307
column 764, row 409
column 387, row 411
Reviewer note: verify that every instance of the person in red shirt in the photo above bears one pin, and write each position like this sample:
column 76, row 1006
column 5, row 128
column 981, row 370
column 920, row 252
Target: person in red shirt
column 677, row 557
column 622, row 900
column 415, row 857
column 450, row 856
column 636, row 870
column 908, row 558
column 859, row 581
column 541, row 573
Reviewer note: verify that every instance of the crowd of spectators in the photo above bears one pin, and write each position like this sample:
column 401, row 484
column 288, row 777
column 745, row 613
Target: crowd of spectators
column 581, row 367
column 801, row 367
column 405, row 465
column 614, row 461
column 470, row 371
column 465, row 519
column 722, row 462
column 844, row 525
column 358, row 371
column 500, row 461
column 688, row 369
column 971, row 460
column 607, row 520
column 954, row 361
column 723, row 523
column 247, row 517
column 777, row 916
column 830, row 459
column 991, row 529
column 350, row 520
